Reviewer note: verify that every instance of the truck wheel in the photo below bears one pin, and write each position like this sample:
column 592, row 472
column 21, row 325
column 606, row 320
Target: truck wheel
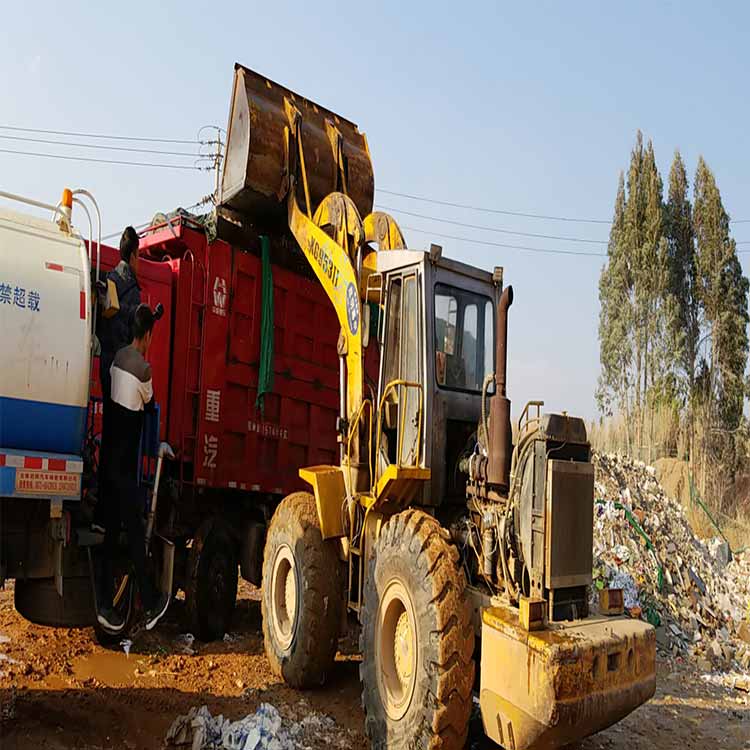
column 302, row 594
column 211, row 586
column 417, row 640
column 37, row 600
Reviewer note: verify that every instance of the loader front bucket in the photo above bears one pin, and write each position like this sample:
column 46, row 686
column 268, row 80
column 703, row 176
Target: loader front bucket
column 543, row 689
column 254, row 182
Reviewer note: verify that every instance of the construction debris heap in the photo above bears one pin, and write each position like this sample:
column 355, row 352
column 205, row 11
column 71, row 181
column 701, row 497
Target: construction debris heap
column 643, row 543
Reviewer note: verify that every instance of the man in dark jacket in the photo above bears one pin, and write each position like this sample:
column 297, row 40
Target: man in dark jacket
column 117, row 331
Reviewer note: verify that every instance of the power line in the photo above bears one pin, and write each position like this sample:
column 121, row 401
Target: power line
column 503, row 245
column 524, row 247
column 98, row 135
column 494, row 229
column 98, row 146
column 504, row 212
column 492, row 210
column 100, row 161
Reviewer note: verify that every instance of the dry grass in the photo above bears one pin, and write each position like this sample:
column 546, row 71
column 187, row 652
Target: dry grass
column 663, row 435
column 665, row 445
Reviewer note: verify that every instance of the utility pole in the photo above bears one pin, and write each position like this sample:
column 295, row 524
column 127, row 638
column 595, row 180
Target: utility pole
column 211, row 159
column 217, row 163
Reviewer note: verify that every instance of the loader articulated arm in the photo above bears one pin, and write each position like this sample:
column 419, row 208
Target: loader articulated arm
column 335, row 271
column 327, row 256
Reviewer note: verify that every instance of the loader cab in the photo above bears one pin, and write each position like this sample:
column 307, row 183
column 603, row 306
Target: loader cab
column 437, row 337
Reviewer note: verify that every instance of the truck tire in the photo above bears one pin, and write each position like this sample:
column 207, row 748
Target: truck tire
column 302, row 594
column 37, row 600
column 417, row 639
column 211, row 581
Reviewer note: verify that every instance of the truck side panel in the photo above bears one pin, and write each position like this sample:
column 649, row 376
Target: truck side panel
column 241, row 445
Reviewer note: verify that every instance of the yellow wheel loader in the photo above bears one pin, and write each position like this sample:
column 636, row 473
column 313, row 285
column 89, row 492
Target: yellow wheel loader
column 465, row 558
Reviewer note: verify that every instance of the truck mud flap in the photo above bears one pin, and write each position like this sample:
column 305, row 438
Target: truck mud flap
column 166, row 553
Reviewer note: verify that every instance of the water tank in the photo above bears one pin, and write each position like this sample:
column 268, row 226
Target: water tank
column 45, row 333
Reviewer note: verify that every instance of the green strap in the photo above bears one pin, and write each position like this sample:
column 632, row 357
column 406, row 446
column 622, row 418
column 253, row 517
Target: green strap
column 695, row 499
column 265, row 368
column 639, row 529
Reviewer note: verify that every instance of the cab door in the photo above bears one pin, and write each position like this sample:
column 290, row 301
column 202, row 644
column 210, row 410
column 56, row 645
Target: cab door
column 400, row 391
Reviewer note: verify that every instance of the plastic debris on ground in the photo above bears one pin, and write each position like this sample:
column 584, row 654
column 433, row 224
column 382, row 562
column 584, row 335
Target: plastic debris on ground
column 184, row 643
column 126, row 644
column 698, row 600
column 731, row 680
column 263, row 730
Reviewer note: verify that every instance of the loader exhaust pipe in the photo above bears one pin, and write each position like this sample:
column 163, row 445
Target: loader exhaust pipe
column 500, row 438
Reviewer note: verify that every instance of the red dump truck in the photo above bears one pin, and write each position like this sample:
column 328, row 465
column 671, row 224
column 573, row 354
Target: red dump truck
column 237, row 454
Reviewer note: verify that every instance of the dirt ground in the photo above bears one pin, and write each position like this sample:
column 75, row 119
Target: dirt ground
column 59, row 689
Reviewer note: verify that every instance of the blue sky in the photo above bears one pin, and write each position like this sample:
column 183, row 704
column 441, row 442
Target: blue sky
column 528, row 107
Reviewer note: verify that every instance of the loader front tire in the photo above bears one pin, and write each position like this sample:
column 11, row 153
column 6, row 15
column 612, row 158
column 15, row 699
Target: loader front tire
column 417, row 639
column 302, row 594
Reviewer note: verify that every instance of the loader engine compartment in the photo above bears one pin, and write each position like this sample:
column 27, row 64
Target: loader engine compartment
column 536, row 541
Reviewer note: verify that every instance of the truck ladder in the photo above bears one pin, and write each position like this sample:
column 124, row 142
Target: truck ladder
column 189, row 434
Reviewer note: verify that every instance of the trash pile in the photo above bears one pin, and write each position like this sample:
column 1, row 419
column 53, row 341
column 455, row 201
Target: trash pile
column 263, row 730
column 731, row 680
column 644, row 544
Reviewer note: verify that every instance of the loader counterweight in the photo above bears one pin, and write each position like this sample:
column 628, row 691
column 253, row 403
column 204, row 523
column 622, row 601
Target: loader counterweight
column 544, row 689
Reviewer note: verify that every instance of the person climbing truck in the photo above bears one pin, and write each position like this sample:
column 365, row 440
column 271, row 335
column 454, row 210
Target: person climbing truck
column 131, row 393
column 116, row 325
column 115, row 330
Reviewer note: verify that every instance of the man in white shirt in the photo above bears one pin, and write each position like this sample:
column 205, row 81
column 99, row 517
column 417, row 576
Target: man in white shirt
column 132, row 392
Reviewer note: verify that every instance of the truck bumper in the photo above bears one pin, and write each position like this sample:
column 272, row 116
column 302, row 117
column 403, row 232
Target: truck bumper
column 34, row 474
column 544, row 689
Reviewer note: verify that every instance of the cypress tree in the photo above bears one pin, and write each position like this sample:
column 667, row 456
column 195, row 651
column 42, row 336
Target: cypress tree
column 632, row 247
column 685, row 329
column 615, row 345
column 722, row 292
column 636, row 313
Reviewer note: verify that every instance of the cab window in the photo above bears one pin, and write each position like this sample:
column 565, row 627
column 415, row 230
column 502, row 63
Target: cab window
column 464, row 338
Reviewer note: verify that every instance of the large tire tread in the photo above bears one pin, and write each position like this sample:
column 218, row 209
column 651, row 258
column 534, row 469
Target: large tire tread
column 449, row 665
column 309, row 659
column 202, row 623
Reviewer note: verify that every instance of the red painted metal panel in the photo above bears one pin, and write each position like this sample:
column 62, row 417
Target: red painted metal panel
column 206, row 356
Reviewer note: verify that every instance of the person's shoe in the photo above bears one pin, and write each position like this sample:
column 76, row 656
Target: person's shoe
column 110, row 620
column 155, row 613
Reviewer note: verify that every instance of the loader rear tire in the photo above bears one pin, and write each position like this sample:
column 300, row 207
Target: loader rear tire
column 211, row 588
column 302, row 594
column 417, row 639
